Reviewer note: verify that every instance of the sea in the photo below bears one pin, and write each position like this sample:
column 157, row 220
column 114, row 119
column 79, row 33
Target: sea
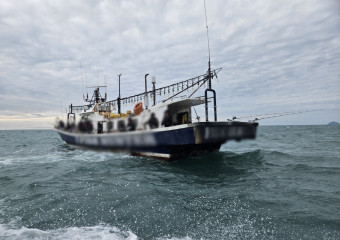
column 285, row 184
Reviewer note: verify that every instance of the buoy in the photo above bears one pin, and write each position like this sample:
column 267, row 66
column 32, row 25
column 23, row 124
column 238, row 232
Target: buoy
column 138, row 108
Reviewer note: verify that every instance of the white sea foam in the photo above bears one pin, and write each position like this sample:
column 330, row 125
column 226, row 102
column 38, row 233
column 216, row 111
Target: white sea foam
column 96, row 232
column 6, row 161
column 175, row 238
column 100, row 232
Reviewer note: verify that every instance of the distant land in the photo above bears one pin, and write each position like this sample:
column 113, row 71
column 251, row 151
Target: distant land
column 333, row 123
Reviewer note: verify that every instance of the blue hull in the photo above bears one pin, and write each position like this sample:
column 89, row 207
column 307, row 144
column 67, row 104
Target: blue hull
column 168, row 143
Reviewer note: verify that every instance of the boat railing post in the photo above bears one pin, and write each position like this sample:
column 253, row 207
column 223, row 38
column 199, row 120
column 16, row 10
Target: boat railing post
column 215, row 106
column 154, row 90
column 146, row 100
column 206, row 105
column 209, row 89
column 118, row 104
column 70, row 111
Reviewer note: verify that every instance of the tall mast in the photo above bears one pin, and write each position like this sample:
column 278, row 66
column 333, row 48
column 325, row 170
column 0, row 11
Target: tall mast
column 209, row 89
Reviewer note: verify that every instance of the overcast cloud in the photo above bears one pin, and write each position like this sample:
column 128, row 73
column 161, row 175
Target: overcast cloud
column 277, row 56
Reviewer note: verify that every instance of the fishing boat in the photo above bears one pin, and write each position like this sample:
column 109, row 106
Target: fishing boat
column 167, row 129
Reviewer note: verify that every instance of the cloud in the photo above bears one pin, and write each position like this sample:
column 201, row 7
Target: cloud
column 282, row 55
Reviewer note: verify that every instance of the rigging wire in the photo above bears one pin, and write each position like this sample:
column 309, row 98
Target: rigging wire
column 197, row 117
column 206, row 25
column 281, row 115
column 169, row 92
column 61, row 108
column 198, row 88
column 86, row 81
column 81, row 76
column 260, row 115
column 273, row 115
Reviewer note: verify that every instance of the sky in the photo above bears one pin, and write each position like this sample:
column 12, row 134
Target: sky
column 276, row 56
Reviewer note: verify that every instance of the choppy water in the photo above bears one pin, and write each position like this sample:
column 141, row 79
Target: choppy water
column 283, row 185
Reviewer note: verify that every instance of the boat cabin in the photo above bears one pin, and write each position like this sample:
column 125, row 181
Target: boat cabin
column 102, row 119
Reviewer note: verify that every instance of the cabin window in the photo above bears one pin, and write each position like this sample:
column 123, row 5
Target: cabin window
column 182, row 118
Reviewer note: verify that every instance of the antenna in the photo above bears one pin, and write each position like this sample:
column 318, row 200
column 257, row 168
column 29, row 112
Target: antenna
column 206, row 25
column 81, row 76
column 118, row 99
column 86, row 82
column 61, row 108
column 105, row 80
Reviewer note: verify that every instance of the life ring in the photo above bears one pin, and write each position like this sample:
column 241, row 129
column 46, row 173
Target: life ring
column 138, row 108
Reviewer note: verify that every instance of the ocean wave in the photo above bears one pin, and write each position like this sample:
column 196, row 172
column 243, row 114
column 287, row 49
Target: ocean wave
column 99, row 232
column 277, row 154
column 312, row 168
column 5, row 179
column 6, row 161
column 174, row 238
column 249, row 159
column 8, row 231
column 257, row 153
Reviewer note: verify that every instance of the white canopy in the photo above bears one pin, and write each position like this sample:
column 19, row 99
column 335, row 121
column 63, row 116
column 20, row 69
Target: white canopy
column 178, row 105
